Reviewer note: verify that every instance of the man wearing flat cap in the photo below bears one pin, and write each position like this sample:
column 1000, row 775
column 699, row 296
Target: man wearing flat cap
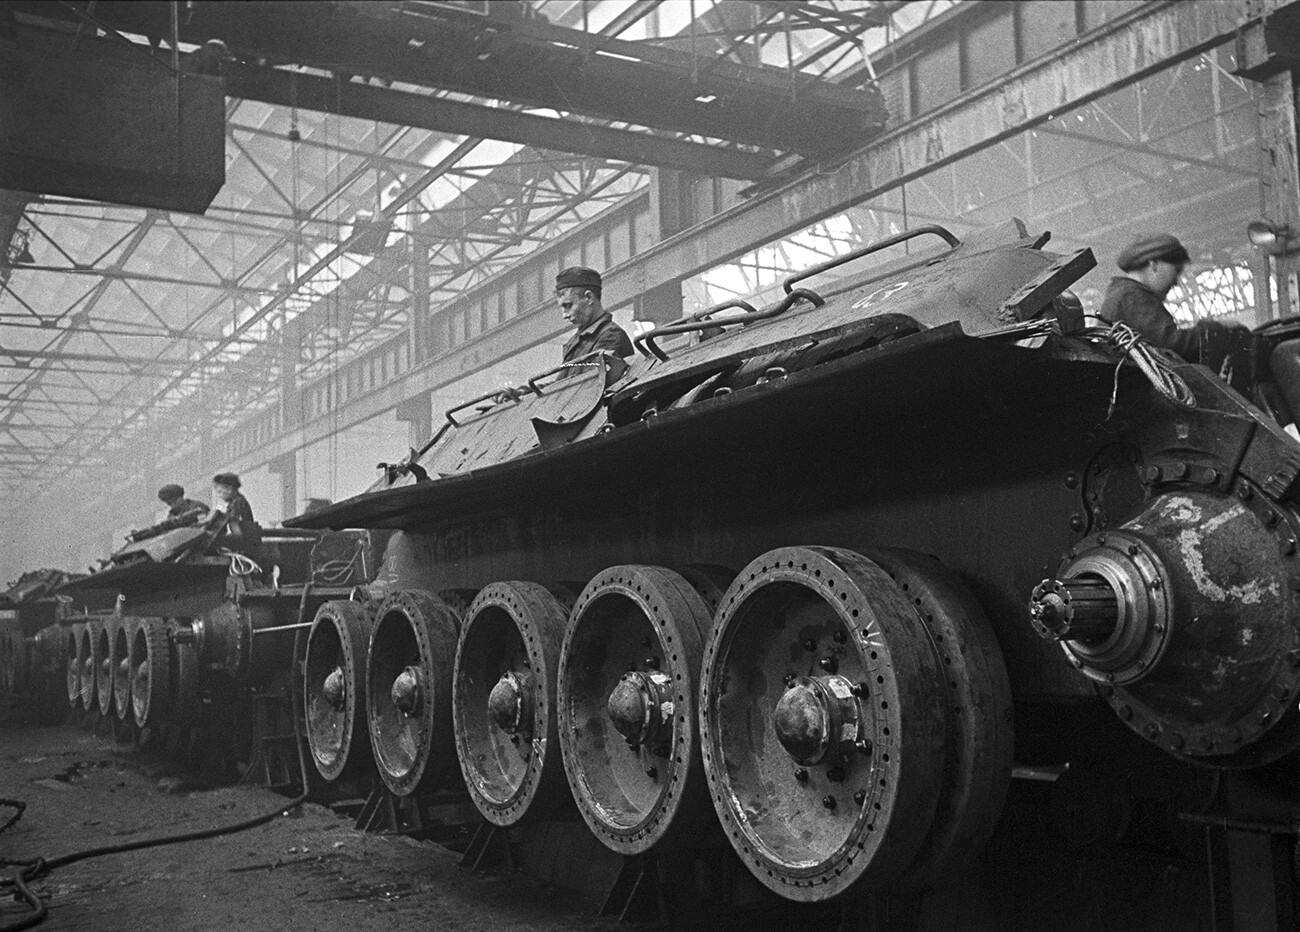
column 233, row 523
column 1152, row 265
column 577, row 290
column 178, row 506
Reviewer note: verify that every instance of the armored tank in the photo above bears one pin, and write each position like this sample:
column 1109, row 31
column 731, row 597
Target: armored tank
column 813, row 580
column 201, row 646
column 32, row 648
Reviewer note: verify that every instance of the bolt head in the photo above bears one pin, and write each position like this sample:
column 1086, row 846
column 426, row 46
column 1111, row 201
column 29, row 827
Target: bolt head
column 863, row 745
column 828, row 802
column 801, row 774
column 829, row 664
column 860, row 797
column 809, row 644
column 652, row 772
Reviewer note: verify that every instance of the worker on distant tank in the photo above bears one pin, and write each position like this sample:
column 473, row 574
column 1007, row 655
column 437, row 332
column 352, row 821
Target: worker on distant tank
column 577, row 290
column 1151, row 265
column 234, row 524
column 178, row 506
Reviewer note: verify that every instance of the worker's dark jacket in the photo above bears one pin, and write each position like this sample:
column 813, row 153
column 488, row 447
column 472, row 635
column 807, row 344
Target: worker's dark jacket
column 187, row 506
column 1128, row 301
column 601, row 334
column 236, row 528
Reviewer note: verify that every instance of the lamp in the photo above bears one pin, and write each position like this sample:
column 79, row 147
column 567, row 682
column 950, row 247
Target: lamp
column 1271, row 238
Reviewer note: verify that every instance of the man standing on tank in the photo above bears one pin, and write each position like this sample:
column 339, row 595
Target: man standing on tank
column 577, row 290
column 1151, row 265
column 234, row 524
column 178, row 506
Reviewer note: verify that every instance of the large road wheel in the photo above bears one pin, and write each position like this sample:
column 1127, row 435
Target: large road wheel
column 334, row 689
column 627, row 692
column 150, row 662
column 102, row 656
column 72, row 662
column 979, row 741
column 503, row 702
column 823, row 720
column 408, row 691
column 122, row 671
column 183, row 687
column 86, row 659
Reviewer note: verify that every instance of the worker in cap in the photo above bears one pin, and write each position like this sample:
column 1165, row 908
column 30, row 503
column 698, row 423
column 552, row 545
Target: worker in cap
column 233, row 522
column 1151, row 266
column 577, row 290
column 178, row 506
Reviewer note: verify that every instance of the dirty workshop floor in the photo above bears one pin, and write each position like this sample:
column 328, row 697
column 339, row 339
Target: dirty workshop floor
column 311, row 871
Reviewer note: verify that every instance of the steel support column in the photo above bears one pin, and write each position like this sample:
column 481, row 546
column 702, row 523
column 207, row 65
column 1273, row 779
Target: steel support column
column 286, row 467
column 1279, row 175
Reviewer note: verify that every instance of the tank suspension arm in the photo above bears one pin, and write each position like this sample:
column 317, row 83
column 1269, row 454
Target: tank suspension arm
column 1080, row 609
column 867, row 250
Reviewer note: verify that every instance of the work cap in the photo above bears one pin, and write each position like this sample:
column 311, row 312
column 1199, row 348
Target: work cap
column 577, row 277
column 1151, row 246
column 226, row 478
column 170, row 491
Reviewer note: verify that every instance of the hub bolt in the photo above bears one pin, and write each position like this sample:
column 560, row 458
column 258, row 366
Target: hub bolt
column 829, row 664
column 828, row 802
column 652, row 772
column 859, row 690
column 863, row 745
column 801, row 775
column 860, row 797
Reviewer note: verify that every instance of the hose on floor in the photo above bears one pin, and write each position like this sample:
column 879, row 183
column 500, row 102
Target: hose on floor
column 26, row 871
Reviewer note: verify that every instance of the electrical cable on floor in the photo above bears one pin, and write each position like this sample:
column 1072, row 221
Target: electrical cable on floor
column 18, row 806
column 26, row 871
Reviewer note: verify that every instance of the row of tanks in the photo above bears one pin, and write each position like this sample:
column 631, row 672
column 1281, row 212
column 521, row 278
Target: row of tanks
column 909, row 588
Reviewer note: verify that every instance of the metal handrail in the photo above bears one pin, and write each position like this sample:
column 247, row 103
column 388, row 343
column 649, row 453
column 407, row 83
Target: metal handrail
column 700, row 321
column 867, row 250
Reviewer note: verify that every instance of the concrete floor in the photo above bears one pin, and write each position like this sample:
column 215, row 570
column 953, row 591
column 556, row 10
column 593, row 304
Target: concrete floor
column 311, row 870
